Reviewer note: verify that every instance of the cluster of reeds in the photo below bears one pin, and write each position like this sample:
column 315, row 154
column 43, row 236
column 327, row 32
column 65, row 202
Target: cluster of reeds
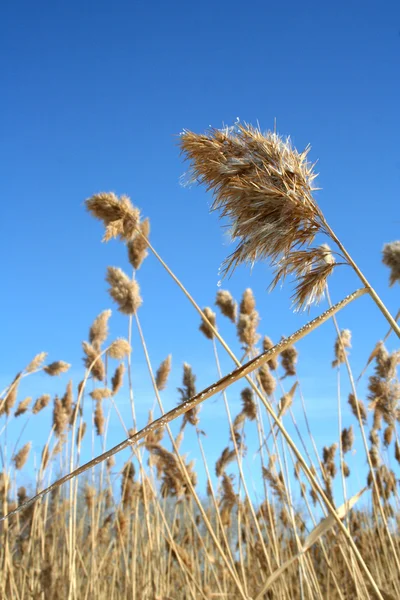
column 148, row 522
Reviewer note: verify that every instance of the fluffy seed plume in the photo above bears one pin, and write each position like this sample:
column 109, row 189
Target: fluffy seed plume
column 93, row 360
column 248, row 302
column 205, row 327
column 119, row 349
column 289, row 360
column 56, row 368
column 267, row 345
column 22, row 456
column 124, row 291
column 391, row 258
column 99, row 418
column 117, row 379
column 60, row 417
column 80, row 433
column 353, row 402
column 137, row 248
column 99, row 330
column 23, row 406
column 41, row 403
column 163, row 372
column 36, row 362
column 187, row 391
column 119, row 216
column 347, row 439
column 341, row 344
column 267, row 380
column 264, row 186
column 100, row 393
column 226, row 304
column 10, row 399
column 249, row 407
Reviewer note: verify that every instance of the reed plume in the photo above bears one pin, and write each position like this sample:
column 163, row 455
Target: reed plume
column 391, row 258
column 118, row 215
column 23, row 406
column 163, row 372
column 124, row 291
column 226, row 304
column 56, row 368
column 22, row 456
column 99, row 329
column 204, row 326
column 137, row 248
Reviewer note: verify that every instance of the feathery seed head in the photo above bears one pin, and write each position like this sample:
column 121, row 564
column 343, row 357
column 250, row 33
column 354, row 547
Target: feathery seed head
column 99, row 330
column 119, row 217
column 41, row 403
column 137, row 248
column 249, row 407
column 391, row 258
column 163, row 372
column 267, row 345
column 124, row 291
column 56, row 368
column 23, row 406
column 36, row 362
column 264, row 186
column 22, row 456
column 205, row 327
column 117, row 379
column 92, row 359
column 342, row 342
column 119, row 349
column 267, row 380
column 226, row 304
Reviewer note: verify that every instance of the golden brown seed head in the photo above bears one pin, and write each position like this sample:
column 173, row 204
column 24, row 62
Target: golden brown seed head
column 264, row 187
column 36, row 362
column 117, row 379
column 23, row 406
column 267, row 345
column 205, row 326
column 60, row 417
column 163, row 372
column 341, row 344
column 41, row 403
column 137, row 248
column 249, row 407
column 99, row 418
column 124, row 291
column 92, row 360
column 289, row 360
column 347, row 439
column 80, row 433
column 22, row 456
column 226, row 304
column 56, row 368
column 267, row 380
column 119, row 349
column 119, row 217
column 248, row 302
column 100, row 393
column 391, row 258
column 99, row 330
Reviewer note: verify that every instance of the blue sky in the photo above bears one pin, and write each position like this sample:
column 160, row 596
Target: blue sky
column 93, row 98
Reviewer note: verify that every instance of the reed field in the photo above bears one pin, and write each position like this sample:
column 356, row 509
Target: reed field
column 134, row 521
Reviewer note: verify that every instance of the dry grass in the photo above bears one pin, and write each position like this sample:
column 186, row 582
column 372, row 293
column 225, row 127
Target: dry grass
column 142, row 527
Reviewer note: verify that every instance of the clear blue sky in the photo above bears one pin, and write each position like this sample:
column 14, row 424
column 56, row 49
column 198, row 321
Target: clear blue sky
column 94, row 95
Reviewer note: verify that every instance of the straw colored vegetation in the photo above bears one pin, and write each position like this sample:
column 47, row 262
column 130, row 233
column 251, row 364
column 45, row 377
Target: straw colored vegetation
column 134, row 522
